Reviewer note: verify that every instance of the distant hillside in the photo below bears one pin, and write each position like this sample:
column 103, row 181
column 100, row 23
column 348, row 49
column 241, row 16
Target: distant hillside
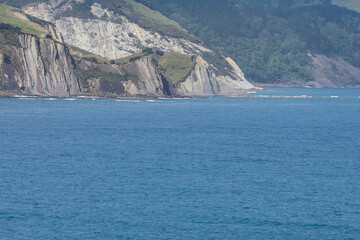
column 270, row 40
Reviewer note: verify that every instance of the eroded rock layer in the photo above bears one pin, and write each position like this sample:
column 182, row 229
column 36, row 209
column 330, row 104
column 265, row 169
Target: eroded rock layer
column 38, row 66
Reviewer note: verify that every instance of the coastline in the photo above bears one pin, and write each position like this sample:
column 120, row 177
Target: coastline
column 6, row 93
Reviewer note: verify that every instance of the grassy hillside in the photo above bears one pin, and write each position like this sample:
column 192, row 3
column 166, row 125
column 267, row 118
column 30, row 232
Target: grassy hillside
column 351, row 4
column 177, row 65
column 150, row 15
column 13, row 16
column 150, row 19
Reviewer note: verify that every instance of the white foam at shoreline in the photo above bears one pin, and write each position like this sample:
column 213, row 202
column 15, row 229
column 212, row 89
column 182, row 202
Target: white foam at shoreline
column 26, row 98
column 123, row 100
column 274, row 96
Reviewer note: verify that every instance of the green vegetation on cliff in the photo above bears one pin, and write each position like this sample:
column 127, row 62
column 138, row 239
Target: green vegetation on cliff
column 15, row 18
column 104, row 76
column 177, row 65
column 154, row 20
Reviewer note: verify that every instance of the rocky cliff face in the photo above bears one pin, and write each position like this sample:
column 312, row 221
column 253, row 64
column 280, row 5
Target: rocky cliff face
column 333, row 73
column 202, row 81
column 138, row 78
column 109, row 39
column 42, row 65
column 38, row 66
column 117, row 37
column 144, row 78
column 113, row 40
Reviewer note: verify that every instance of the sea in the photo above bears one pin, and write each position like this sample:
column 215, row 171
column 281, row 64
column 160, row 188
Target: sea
column 281, row 164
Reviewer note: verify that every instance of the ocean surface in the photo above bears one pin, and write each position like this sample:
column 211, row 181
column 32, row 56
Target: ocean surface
column 284, row 164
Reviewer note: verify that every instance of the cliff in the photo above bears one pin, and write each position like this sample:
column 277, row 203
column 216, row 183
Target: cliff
column 113, row 36
column 203, row 81
column 38, row 66
column 109, row 56
column 147, row 76
column 31, row 61
column 138, row 78
column 333, row 72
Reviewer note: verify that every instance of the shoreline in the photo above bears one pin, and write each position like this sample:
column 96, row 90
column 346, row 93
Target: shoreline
column 244, row 94
column 21, row 94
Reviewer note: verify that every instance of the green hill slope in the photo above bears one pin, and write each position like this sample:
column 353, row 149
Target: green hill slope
column 15, row 18
column 270, row 39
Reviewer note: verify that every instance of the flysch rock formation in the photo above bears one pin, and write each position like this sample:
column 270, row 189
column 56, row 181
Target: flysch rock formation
column 153, row 82
column 39, row 66
column 149, row 82
column 204, row 82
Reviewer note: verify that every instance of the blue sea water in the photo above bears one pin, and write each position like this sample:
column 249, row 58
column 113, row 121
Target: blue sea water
column 284, row 164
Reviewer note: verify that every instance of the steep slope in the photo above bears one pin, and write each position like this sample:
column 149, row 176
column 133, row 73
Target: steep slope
column 333, row 72
column 31, row 62
column 113, row 40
